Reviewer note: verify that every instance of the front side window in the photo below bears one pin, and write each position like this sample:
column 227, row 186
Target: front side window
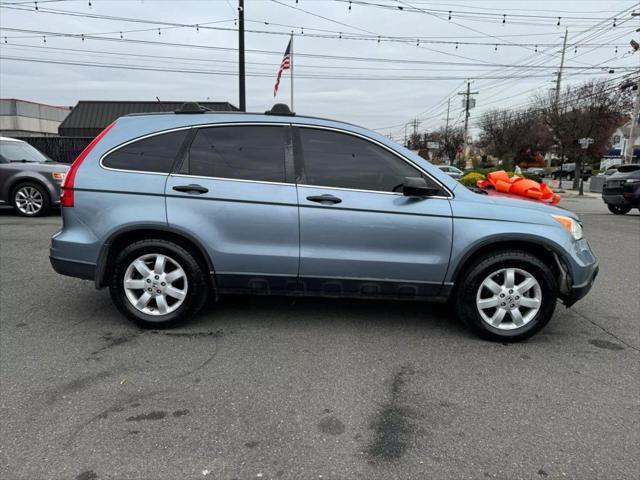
column 151, row 154
column 242, row 152
column 333, row 159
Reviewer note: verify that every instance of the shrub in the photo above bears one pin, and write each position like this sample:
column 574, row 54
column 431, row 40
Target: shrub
column 471, row 179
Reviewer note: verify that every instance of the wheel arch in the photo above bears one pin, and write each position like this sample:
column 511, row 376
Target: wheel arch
column 128, row 235
column 550, row 253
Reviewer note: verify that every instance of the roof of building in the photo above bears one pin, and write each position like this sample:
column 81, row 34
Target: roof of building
column 89, row 117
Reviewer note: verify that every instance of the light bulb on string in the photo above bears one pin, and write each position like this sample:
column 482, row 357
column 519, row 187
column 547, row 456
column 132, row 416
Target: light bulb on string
column 159, row 32
column 615, row 20
column 44, row 39
column 349, row 6
column 496, row 49
column 449, row 15
column 197, row 27
column 456, row 45
column 536, row 48
column 504, row 18
column 558, row 24
column 36, row 5
column 121, row 37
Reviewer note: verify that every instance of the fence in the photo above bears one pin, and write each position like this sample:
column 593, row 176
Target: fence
column 60, row 149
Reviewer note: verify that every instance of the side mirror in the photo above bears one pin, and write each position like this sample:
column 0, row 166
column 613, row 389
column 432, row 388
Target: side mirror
column 418, row 187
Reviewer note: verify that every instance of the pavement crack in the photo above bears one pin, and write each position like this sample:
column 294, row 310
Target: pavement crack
column 593, row 322
column 202, row 365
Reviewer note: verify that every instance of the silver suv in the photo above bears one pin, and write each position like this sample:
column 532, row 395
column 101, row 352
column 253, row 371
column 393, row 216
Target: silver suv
column 165, row 208
column 29, row 180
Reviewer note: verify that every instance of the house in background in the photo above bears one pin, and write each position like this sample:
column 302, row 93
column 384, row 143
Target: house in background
column 21, row 118
column 89, row 117
column 618, row 147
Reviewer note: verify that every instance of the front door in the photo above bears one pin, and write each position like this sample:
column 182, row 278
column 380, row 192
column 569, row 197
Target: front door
column 358, row 237
column 232, row 194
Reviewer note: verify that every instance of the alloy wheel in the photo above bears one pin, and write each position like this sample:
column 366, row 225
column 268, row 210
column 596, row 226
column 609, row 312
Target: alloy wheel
column 155, row 284
column 509, row 298
column 28, row 200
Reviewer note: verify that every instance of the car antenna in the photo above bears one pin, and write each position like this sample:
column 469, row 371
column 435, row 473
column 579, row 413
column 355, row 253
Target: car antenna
column 161, row 105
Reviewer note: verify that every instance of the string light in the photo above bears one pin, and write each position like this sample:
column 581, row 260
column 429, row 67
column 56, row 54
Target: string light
column 82, row 36
column 616, row 50
column 558, row 24
column 349, row 6
column 536, row 48
column 44, row 39
column 340, row 36
column 418, row 42
column 159, row 32
column 449, row 15
column 378, row 38
column 456, row 45
column 301, row 30
column 504, row 18
column 121, row 37
column 197, row 27
column 89, row 3
column 496, row 49
column 615, row 20
column 36, row 3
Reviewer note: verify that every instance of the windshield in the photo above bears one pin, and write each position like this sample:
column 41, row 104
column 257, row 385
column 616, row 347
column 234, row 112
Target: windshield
column 12, row 151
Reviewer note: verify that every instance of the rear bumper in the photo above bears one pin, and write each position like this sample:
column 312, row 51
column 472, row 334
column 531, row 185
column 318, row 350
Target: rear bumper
column 71, row 268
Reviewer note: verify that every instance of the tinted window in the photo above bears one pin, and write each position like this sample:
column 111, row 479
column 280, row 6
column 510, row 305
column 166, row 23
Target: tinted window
column 239, row 152
column 334, row 159
column 152, row 154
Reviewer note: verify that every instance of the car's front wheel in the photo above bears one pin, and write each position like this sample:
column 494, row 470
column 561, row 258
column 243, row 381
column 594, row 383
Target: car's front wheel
column 157, row 283
column 619, row 209
column 30, row 200
column 507, row 296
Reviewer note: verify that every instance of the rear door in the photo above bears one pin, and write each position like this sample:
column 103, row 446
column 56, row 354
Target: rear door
column 232, row 193
column 359, row 237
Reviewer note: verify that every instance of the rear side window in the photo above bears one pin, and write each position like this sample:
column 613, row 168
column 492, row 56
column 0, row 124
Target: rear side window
column 243, row 152
column 333, row 159
column 151, row 154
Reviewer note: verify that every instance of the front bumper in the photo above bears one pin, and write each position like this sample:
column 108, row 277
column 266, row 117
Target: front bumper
column 617, row 199
column 576, row 292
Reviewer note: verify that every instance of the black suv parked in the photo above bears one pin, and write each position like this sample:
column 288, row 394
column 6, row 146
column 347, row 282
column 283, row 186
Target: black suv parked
column 568, row 171
column 621, row 191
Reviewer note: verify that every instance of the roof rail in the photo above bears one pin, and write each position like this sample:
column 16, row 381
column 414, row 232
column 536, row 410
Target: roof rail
column 191, row 107
column 280, row 109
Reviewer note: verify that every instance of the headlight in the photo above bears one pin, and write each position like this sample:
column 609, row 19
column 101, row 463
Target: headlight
column 58, row 176
column 572, row 226
column 632, row 180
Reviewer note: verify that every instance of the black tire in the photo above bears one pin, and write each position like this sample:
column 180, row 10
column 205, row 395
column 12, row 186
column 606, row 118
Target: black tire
column 197, row 291
column 619, row 209
column 46, row 201
column 473, row 276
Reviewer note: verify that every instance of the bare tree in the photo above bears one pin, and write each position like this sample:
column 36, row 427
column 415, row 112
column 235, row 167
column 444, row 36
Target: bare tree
column 594, row 109
column 514, row 136
column 450, row 140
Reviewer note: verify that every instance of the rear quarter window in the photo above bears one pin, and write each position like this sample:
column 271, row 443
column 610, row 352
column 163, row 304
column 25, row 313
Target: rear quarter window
column 151, row 154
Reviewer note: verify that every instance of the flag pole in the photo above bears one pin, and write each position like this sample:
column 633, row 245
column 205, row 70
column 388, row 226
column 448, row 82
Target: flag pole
column 291, row 68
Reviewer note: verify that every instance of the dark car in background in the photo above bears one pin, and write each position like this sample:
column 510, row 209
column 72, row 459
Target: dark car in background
column 621, row 190
column 568, row 171
column 29, row 180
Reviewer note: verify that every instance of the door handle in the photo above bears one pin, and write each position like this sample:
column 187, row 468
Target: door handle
column 325, row 199
column 192, row 188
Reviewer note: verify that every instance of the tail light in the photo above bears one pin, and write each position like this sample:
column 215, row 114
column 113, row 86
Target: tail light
column 66, row 190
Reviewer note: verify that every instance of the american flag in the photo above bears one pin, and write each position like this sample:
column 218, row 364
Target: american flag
column 284, row 65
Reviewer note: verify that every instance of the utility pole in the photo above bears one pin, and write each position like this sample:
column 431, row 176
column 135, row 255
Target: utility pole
column 446, row 131
column 467, row 107
column 559, row 77
column 557, row 100
column 241, row 86
column 633, row 128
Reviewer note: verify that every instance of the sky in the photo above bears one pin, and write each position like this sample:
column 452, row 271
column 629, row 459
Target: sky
column 397, row 60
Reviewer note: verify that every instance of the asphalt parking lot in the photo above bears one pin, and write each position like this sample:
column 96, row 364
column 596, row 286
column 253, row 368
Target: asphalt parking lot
column 314, row 388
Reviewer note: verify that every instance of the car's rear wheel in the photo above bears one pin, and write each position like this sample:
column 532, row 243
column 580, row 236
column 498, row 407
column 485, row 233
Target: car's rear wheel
column 619, row 209
column 507, row 296
column 30, row 200
column 157, row 283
